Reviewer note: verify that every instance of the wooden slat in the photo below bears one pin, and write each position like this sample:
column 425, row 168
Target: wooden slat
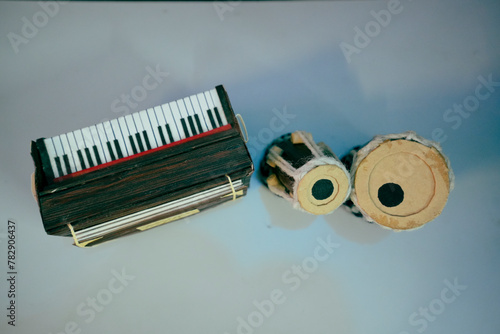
column 136, row 189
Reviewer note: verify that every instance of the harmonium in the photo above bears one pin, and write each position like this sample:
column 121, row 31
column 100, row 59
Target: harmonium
column 141, row 170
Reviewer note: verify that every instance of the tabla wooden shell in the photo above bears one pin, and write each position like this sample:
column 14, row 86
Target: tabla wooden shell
column 307, row 174
column 400, row 181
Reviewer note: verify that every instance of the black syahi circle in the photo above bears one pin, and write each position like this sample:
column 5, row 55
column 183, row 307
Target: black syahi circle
column 322, row 189
column 391, row 194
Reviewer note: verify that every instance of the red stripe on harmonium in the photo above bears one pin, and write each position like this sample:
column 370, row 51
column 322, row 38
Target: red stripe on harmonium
column 137, row 155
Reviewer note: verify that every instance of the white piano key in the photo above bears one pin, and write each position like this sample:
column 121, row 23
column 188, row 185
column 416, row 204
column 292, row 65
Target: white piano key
column 159, row 116
column 138, row 135
column 132, row 131
column 202, row 100
column 67, row 152
column 184, row 117
column 119, row 137
column 125, row 133
column 80, row 143
column 218, row 104
column 51, row 151
column 108, row 129
column 60, row 153
column 186, row 105
column 211, row 110
column 58, row 146
column 137, row 122
column 197, row 111
column 169, row 117
column 103, row 139
column 98, row 144
column 215, row 108
column 74, row 148
column 154, row 126
column 176, row 116
column 89, row 144
column 146, row 123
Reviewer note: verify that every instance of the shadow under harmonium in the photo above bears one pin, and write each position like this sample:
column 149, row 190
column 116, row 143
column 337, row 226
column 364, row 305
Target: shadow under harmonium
column 141, row 170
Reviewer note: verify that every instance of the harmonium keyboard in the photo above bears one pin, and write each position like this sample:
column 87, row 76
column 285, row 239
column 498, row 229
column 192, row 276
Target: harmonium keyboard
column 141, row 170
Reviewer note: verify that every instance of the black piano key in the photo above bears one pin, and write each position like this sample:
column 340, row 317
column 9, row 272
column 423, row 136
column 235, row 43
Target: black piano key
column 59, row 167
column 200, row 129
column 89, row 157
column 118, row 149
column 131, row 139
column 139, row 141
column 66, row 164
column 80, row 157
column 191, row 125
column 184, row 127
column 216, row 112
column 146, row 139
column 97, row 157
column 110, row 149
column 162, row 137
column 211, row 117
column 170, row 137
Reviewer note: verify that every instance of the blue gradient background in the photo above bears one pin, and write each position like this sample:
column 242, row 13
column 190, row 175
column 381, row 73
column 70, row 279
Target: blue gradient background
column 200, row 274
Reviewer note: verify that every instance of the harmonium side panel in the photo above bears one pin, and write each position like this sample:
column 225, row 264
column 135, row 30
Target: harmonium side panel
column 142, row 226
column 136, row 189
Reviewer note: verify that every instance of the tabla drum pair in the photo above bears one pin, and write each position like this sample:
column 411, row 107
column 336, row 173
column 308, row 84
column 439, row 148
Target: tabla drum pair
column 399, row 181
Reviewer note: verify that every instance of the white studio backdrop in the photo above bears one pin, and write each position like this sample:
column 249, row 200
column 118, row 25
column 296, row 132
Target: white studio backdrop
column 344, row 71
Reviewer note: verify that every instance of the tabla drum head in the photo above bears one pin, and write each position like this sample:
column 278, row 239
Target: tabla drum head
column 402, row 184
column 323, row 189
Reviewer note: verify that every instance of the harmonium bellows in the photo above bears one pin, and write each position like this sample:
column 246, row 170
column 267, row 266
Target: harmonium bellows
column 141, row 170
